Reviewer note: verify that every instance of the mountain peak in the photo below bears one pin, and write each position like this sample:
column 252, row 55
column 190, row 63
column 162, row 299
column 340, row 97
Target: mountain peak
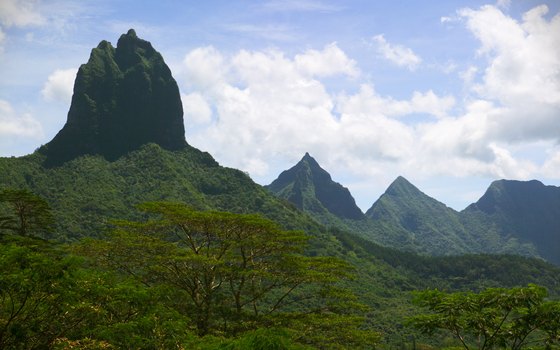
column 131, row 32
column 506, row 193
column 401, row 186
column 307, row 158
column 124, row 97
column 311, row 188
column 528, row 211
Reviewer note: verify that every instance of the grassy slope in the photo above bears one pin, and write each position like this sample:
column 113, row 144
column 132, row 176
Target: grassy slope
column 89, row 191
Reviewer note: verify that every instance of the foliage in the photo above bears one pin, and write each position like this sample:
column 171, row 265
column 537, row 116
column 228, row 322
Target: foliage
column 38, row 298
column 87, row 192
column 230, row 273
column 28, row 213
column 496, row 317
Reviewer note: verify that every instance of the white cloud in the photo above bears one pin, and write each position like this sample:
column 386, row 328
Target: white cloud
column 551, row 167
column 267, row 107
column 2, row 39
column 59, row 85
column 430, row 103
column 468, row 74
column 398, row 54
column 196, row 109
column 327, row 62
column 204, row 68
column 503, row 3
column 368, row 101
column 524, row 58
column 14, row 124
column 522, row 71
column 20, row 13
column 269, row 104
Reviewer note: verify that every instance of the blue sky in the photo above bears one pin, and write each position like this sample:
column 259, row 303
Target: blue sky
column 449, row 94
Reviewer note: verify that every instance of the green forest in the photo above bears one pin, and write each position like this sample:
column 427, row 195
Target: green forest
column 181, row 278
column 118, row 234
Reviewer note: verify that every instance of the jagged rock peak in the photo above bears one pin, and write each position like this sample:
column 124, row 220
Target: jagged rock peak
column 123, row 98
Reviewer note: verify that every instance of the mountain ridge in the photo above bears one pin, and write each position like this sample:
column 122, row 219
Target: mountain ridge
column 404, row 217
column 89, row 190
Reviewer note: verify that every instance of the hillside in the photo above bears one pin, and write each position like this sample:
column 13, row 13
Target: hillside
column 89, row 191
column 526, row 211
column 310, row 188
column 513, row 217
column 420, row 221
column 88, row 185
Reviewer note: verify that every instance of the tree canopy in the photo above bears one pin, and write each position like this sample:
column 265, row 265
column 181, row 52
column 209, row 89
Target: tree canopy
column 232, row 273
column 494, row 318
column 26, row 213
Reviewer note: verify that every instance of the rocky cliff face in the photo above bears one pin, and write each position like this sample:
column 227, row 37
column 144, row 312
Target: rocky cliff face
column 123, row 98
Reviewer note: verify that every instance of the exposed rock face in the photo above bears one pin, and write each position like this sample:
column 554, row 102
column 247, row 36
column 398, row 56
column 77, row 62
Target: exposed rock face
column 123, row 98
column 310, row 188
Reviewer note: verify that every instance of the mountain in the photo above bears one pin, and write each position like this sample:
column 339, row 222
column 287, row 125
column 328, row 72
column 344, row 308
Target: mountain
column 527, row 211
column 123, row 98
column 123, row 144
column 88, row 184
column 419, row 220
column 310, row 188
column 407, row 219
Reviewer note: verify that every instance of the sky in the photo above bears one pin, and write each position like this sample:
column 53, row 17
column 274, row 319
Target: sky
column 452, row 95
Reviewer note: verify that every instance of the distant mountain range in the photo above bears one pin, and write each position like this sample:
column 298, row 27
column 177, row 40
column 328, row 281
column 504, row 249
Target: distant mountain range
column 113, row 154
column 513, row 217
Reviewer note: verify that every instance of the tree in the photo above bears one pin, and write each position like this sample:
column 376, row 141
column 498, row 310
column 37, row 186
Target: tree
column 29, row 213
column 38, row 294
column 230, row 273
column 496, row 317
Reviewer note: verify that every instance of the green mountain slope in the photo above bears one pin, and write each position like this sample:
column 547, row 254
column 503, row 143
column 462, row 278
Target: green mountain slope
column 88, row 191
column 310, row 188
column 87, row 187
column 420, row 220
column 407, row 219
column 525, row 211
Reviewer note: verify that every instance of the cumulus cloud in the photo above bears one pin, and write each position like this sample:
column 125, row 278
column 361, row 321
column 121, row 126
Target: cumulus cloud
column 204, row 68
column 256, row 109
column 524, row 58
column 20, row 13
column 196, row 109
column 269, row 104
column 514, row 98
column 327, row 62
column 522, row 71
column 368, row 101
column 15, row 124
column 2, row 38
column 398, row 54
column 59, row 85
